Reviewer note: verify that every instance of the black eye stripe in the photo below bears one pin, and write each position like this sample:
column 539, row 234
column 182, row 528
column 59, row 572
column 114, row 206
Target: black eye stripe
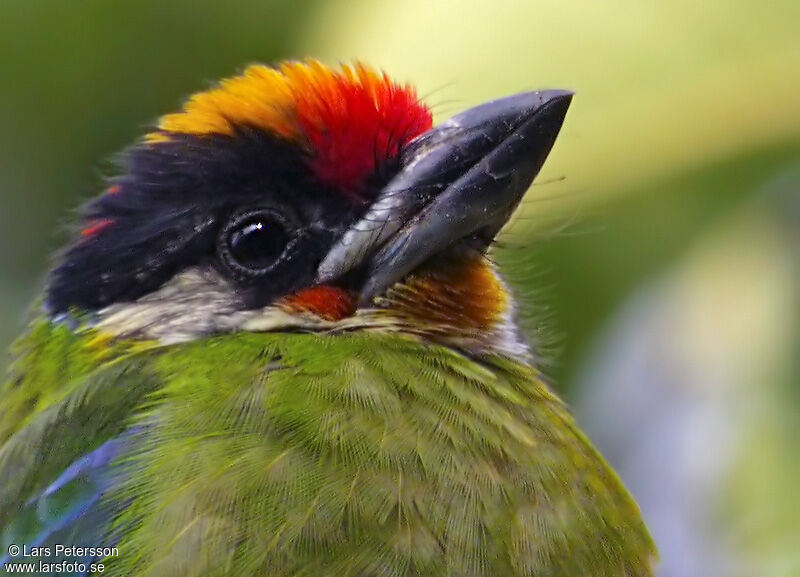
column 174, row 202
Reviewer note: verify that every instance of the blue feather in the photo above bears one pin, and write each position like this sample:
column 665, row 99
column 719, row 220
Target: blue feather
column 71, row 510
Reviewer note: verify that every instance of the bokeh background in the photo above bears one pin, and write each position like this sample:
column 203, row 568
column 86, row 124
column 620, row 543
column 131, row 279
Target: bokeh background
column 657, row 260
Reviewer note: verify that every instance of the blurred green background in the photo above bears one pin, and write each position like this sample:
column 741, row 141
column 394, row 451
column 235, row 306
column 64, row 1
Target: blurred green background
column 657, row 262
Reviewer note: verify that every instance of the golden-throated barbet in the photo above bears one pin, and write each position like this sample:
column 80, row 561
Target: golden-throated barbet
column 276, row 347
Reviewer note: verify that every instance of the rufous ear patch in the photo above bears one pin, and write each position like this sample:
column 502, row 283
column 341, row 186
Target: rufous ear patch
column 466, row 295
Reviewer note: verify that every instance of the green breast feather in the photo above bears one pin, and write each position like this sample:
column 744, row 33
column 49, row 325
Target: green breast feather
column 300, row 454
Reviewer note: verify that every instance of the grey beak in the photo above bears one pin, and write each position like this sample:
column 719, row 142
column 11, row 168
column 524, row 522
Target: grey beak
column 463, row 178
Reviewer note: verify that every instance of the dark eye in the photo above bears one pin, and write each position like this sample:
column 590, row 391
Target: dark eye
column 254, row 242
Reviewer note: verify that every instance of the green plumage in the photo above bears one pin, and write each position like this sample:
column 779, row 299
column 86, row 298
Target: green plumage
column 320, row 455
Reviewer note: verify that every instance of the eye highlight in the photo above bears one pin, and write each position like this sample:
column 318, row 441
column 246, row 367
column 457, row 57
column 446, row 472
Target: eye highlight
column 254, row 242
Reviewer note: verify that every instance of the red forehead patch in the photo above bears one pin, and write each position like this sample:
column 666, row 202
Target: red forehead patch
column 356, row 120
column 349, row 120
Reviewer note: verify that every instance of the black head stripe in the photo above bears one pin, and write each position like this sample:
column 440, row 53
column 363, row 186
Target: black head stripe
column 167, row 207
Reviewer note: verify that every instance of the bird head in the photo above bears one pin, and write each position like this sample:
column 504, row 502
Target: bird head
column 308, row 198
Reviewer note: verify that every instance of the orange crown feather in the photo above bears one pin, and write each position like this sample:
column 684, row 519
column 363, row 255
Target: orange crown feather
column 349, row 120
